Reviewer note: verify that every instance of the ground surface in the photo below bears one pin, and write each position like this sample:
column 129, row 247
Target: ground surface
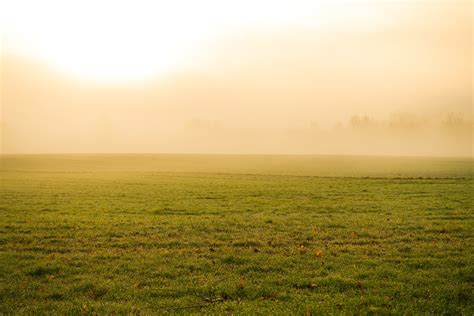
column 236, row 234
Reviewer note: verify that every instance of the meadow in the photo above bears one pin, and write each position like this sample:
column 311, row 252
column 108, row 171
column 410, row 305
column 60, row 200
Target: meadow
column 229, row 234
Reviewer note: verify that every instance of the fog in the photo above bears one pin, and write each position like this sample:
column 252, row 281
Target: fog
column 402, row 88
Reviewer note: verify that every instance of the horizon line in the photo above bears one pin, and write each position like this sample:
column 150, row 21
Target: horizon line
column 229, row 154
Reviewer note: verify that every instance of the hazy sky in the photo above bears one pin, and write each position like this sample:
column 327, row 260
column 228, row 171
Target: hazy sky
column 331, row 77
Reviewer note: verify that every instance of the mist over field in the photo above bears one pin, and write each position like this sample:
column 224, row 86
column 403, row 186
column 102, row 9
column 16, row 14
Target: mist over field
column 395, row 79
column 251, row 157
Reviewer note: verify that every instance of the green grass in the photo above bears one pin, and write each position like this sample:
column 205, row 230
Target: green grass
column 204, row 234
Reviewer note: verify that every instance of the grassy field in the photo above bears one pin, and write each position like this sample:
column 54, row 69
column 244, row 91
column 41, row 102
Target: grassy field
column 156, row 234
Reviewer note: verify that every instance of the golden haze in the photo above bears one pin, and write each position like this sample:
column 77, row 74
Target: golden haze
column 348, row 78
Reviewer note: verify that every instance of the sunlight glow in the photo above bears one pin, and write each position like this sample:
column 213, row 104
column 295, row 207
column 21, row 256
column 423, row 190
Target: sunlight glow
column 116, row 40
